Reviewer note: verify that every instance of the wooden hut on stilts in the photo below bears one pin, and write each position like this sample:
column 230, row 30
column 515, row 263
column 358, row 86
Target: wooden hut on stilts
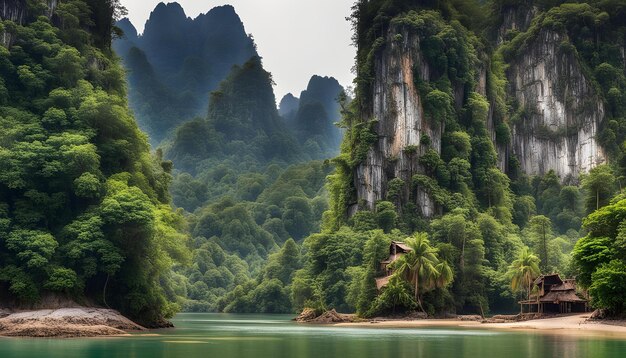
column 554, row 295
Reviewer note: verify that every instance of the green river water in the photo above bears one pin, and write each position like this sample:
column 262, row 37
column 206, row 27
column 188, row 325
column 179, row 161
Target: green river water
column 230, row 336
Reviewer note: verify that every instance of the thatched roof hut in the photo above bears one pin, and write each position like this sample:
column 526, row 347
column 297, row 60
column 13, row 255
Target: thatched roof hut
column 554, row 295
column 396, row 250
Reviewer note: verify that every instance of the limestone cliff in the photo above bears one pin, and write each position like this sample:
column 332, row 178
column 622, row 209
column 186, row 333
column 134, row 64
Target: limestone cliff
column 551, row 113
column 16, row 11
column 515, row 17
column 13, row 10
column 559, row 113
column 187, row 59
column 398, row 110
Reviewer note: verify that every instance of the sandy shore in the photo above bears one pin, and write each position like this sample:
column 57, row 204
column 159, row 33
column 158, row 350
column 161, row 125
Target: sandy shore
column 66, row 323
column 567, row 325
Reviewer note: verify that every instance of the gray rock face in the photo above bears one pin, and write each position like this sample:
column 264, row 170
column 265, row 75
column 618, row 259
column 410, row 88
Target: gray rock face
column 15, row 10
column 517, row 17
column 561, row 112
column 397, row 107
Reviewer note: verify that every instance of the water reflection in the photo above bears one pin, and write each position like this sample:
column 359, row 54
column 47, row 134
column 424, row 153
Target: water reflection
column 228, row 336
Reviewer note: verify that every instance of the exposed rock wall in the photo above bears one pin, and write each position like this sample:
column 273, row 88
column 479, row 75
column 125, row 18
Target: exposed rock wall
column 397, row 107
column 52, row 5
column 561, row 113
column 558, row 114
column 16, row 11
column 517, row 17
column 502, row 150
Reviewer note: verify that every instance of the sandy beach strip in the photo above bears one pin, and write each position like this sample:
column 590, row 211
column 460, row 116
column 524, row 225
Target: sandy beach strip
column 566, row 325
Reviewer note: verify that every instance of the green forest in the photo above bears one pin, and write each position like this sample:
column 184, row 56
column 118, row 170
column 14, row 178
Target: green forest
column 85, row 207
column 231, row 203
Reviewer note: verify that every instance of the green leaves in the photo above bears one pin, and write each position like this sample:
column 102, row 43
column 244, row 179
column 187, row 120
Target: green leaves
column 67, row 66
column 83, row 203
column 600, row 187
column 21, row 284
column 437, row 105
column 33, row 247
column 126, row 205
column 600, row 257
column 87, row 186
column 523, row 271
column 422, row 268
column 298, row 217
column 396, row 296
column 88, row 249
column 386, row 215
column 608, row 286
column 62, row 280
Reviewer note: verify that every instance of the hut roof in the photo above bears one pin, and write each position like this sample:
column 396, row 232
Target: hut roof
column 561, row 296
column 565, row 286
column 552, row 279
column 402, row 246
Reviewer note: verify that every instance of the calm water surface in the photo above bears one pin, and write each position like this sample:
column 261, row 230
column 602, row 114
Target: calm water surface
column 258, row 336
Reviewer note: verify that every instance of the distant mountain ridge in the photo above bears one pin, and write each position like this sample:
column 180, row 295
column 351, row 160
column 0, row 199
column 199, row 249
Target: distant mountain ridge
column 312, row 117
column 178, row 61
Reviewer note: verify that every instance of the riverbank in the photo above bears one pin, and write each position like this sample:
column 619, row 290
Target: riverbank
column 567, row 325
column 66, row 323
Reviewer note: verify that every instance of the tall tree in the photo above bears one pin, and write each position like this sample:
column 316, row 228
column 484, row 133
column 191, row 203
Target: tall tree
column 84, row 204
column 600, row 187
column 523, row 271
column 422, row 267
column 540, row 230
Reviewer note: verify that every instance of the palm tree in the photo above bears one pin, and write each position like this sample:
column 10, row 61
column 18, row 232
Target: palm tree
column 397, row 295
column 444, row 276
column 523, row 271
column 421, row 267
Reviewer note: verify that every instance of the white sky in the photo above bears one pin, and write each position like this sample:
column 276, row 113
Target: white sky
column 296, row 38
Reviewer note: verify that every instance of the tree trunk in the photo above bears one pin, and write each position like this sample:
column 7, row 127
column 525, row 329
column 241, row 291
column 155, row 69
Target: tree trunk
column 462, row 263
column 104, row 291
column 416, row 283
column 545, row 246
column 417, row 298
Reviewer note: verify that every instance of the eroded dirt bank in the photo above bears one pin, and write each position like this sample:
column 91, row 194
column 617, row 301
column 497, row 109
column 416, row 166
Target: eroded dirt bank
column 65, row 323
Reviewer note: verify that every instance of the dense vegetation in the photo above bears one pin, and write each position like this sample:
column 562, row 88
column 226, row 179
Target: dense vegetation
column 490, row 224
column 84, row 205
column 258, row 216
column 252, row 210
column 267, row 222
column 249, row 177
column 251, row 192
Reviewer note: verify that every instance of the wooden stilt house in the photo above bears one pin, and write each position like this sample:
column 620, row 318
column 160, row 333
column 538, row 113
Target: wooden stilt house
column 396, row 249
column 554, row 295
